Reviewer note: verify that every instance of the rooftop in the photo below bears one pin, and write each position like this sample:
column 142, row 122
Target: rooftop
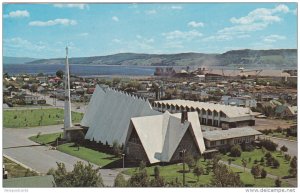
column 230, row 111
column 230, row 133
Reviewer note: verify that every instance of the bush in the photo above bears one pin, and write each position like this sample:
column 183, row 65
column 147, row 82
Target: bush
column 287, row 157
column 284, row 148
column 263, row 173
column 120, row 181
column 278, row 182
column 268, row 144
column 236, row 151
column 276, row 163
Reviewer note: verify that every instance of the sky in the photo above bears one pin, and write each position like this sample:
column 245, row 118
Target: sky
column 43, row 30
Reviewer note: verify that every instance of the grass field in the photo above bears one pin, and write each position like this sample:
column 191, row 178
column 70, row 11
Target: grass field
column 15, row 170
column 283, row 136
column 257, row 155
column 171, row 172
column 96, row 157
column 36, row 117
column 45, row 139
column 90, row 155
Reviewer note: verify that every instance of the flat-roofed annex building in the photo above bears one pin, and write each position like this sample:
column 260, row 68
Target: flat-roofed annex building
column 222, row 139
column 210, row 114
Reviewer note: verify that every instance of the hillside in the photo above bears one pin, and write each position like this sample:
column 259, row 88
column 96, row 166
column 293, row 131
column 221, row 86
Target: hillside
column 17, row 60
column 281, row 57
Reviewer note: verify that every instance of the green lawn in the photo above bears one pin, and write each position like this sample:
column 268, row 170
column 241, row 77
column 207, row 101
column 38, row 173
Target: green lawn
column 90, row 155
column 36, row 117
column 15, row 170
column 257, row 155
column 45, row 139
column 170, row 173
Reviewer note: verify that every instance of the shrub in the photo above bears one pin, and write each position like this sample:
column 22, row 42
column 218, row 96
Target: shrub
column 287, row 157
column 284, row 148
column 120, row 181
column 276, row 163
column 268, row 144
column 278, row 182
column 236, row 151
column 263, row 173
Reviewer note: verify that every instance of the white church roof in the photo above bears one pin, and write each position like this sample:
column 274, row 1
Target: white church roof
column 108, row 114
column 160, row 135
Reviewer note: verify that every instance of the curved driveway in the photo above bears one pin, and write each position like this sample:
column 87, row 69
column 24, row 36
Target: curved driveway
column 17, row 146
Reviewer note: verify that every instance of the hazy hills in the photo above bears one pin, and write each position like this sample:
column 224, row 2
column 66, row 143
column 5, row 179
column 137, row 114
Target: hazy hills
column 280, row 57
column 17, row 60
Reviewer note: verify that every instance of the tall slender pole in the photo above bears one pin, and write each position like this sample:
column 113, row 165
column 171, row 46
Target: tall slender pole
column 123, row 155
column 67, row 113
column 183, row 165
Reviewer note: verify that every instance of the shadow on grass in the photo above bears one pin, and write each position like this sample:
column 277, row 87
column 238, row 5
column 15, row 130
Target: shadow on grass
column 111, row 158
column 249, row 185
column 192, row 181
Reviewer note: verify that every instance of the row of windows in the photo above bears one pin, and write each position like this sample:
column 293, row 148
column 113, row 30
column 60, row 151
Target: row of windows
column 192, row 109
column 236, row 141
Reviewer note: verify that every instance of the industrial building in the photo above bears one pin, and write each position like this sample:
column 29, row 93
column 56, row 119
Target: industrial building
column 217, row 115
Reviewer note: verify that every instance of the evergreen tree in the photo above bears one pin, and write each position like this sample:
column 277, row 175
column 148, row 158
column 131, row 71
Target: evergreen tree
column 120, row 181
column 224, row 177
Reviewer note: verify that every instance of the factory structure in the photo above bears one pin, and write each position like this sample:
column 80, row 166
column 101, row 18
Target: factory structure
column 158, row 133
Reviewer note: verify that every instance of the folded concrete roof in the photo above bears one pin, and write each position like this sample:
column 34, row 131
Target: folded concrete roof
column 230, row 111
column 108, row 114
column 160, row 135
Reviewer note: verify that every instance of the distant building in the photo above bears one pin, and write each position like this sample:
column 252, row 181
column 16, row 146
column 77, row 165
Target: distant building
column 210, row 77
column 217, row 115
column 285, row 111
column 239, row 101
column 31, row 99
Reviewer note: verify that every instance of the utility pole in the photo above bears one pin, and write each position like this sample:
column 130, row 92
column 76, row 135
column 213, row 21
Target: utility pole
column 123, row 156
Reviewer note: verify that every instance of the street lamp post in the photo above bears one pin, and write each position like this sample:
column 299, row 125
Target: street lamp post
column 123, row 157
column 182, row 154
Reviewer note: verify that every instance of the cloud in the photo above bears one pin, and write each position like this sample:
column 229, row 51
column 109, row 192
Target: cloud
column 83, row 34
column 19, row 43
column 79, row 6
column 115, row 18
column 188, row 35
column 17, row 14
column 116, row 40
column 64, row 21
column 255, row 20
column 176, row 7
column 150, row 12
column 195, row 24
column 273, row 38
column 218, row 37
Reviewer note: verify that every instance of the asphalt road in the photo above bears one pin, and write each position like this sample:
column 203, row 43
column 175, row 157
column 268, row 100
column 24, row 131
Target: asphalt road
column 17, row 146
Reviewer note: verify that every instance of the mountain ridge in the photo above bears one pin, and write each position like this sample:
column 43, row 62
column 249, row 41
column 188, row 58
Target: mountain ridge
column 277, row 57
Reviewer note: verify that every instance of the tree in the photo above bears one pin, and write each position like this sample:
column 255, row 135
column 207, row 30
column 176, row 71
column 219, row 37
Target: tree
column 284, row 148
column 156, row 172
column 293, row 167
column 278, row 182
column 236, row 151
column 224, row 177
column 116, row 149
column 263, row 173
column 189, row 160
column 255, row 171
column 276, row 163
column 60, row 74
column 244, row 163
column 268, row 144
column 287, row 157
column 198, row 171
column 81, row 176
column 120, row 181
column 139, row 179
